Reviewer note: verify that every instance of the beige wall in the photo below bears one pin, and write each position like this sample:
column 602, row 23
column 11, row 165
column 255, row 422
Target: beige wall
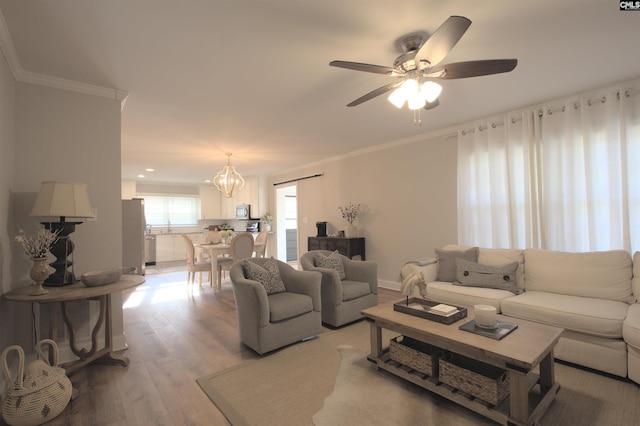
column 8, row 316
column 408, row 192
column 64, row 135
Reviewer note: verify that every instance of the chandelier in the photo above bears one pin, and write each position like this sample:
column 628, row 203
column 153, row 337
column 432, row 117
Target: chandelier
column 228, row 181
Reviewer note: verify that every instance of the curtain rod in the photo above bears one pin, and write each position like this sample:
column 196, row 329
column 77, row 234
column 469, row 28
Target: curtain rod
column 297, row 179
column 550, row 111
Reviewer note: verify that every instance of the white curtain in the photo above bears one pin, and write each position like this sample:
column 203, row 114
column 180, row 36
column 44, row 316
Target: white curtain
column 563, row 176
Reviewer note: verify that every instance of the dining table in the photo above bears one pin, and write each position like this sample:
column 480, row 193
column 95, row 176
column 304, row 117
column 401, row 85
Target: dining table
column 213, row 250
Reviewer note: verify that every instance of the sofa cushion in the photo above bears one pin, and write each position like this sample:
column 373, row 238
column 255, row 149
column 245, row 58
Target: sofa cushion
column 450, row 294
column 478, row 275
column 600, row 275
column 268, row 275
column 597, row 317
column 635, row 282
column 354, row 289
column 501, row 257
column 447, row 261
column 631, row 326
column 333, row 261
column 287, row 305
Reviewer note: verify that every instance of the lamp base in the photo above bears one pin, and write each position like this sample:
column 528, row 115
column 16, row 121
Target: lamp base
column 62, row 249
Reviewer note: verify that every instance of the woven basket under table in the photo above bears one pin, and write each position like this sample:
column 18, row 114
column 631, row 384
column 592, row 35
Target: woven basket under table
column 483, row 381
column 415, row 354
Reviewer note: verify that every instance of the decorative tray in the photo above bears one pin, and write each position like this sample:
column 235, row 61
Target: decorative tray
column 502, row 329
column 422, row 308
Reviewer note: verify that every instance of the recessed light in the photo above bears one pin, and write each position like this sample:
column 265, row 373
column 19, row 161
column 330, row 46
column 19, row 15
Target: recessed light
column 149, row 170
column 208, row 181
column 140, row 176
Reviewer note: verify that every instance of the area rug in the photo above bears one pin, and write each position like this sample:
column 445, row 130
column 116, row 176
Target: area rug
column 328, row 381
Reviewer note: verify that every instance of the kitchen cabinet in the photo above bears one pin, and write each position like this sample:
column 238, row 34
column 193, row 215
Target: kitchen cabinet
column 164, row 248
column 170, row 247
column 210, row 202
column 249, row 194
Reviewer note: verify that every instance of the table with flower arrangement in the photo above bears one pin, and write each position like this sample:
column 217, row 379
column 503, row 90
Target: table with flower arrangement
column 349, row 247
column 74, row 292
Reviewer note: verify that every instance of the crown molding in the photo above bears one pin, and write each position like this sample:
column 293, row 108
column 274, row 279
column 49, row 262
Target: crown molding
column 74, row 86
column 22, row 76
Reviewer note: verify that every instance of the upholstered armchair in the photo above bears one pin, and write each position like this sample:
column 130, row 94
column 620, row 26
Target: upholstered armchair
column 290, row 313
column 343, row 299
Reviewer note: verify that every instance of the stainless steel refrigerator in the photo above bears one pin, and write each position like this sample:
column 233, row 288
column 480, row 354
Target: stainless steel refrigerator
column 133, row 229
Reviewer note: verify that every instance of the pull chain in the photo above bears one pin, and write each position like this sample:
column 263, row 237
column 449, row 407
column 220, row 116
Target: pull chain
column 417, row 121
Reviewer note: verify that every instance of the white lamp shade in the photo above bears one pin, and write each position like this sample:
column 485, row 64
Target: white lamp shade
column 64, row 199
column 430, row 91
column 416, row 101
column 397, row 97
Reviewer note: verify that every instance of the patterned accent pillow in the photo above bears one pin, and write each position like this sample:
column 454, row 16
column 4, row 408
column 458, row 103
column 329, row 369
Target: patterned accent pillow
column 333, row 261
column 268, row 275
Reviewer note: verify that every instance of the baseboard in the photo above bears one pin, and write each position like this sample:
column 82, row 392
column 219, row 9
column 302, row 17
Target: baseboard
column 65, row 354
column 391, row 285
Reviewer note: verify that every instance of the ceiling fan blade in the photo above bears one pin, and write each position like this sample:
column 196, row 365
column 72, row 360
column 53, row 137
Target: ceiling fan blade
column 473, row 68
column 432, row 105
column 436, row 47
column 376, row 69
column 379, row 91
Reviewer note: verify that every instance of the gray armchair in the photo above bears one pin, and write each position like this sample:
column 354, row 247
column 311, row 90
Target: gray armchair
column 268, row 322
column 342, row 300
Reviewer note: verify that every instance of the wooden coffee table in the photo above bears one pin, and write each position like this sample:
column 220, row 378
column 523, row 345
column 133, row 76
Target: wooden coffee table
column 529, row 346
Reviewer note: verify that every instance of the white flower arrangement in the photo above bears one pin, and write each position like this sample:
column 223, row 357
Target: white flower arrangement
column 37, row 245
column 266, row 219
column 227, row 233
column 350, row 211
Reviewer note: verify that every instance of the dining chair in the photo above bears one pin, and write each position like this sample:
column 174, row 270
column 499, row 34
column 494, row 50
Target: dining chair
column 261, row 244
column 193, row 265
column 241, row 247
column 212, row 237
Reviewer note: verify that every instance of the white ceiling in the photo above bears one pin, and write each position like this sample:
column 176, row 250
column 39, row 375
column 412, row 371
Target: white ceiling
column 251, row 77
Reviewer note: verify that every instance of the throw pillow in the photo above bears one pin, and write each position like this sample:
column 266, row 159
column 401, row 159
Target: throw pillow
column 478, row 275
column 268, row 275
column 447, row 262
column 333, row 261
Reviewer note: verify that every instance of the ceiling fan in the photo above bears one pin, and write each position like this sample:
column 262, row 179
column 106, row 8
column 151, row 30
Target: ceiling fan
column 419, row 65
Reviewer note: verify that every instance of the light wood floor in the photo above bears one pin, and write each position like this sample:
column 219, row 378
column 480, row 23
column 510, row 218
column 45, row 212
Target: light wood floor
column 176, row 333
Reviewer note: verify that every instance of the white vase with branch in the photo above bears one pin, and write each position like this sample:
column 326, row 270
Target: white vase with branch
column 350, row 212
column 37, row 247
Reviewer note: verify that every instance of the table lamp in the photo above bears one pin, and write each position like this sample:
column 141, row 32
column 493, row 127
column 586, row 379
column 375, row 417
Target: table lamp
column 63, row 200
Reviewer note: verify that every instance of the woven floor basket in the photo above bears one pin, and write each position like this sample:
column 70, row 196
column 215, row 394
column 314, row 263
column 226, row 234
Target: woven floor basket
column 37, row 394
column 417, row 355
column 483, row 381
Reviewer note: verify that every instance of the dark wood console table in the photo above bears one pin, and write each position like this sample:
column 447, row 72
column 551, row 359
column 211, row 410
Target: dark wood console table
column 347, row 246
column 78, row 291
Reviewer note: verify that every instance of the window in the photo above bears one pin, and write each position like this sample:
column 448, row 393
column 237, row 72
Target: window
column 171, row 210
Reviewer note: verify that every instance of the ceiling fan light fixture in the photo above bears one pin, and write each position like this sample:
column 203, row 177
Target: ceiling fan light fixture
column 430, row 91
column 228, row 180
column 397, row 97
column 416, row 101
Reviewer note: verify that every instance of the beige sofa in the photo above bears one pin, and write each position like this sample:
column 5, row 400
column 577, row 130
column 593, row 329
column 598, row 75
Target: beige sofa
column 594, row 296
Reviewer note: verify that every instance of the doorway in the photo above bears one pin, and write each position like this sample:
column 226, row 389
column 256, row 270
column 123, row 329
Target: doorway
column 287, row 223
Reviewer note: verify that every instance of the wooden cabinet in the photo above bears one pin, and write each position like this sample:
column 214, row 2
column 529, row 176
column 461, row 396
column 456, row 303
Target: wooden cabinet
column 349, row 247
column 249, row 194
column 170, row 247
column 209, row 202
